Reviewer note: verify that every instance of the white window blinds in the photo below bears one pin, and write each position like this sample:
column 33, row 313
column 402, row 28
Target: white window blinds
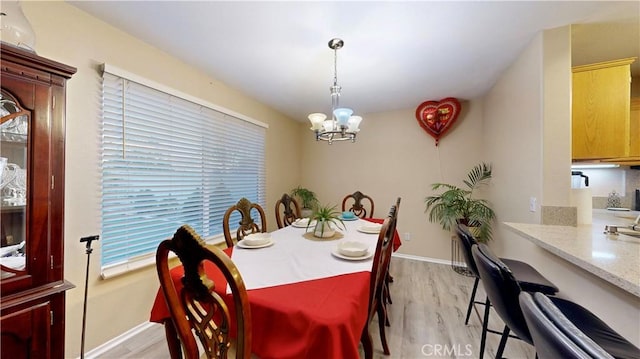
column 168, row 161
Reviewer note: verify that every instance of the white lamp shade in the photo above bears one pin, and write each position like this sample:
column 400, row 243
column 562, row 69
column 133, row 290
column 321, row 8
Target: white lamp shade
column 354, row 123
column 15, row 28
column 316, row 120
column 342, row 116
column 328, row 125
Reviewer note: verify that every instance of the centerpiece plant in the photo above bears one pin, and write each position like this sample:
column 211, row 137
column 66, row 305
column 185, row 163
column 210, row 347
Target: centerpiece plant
column 308, row 199
column 324, row 217
column 458, row 205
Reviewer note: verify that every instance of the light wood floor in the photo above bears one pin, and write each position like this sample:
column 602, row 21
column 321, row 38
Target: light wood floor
column 427, row 320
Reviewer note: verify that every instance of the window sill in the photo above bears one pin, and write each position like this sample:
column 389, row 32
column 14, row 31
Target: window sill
column 141, row 262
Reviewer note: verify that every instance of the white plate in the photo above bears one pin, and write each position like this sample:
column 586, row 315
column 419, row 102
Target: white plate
column 298, row 225
column 246, row 246
column 256, row 239
column 352, row 248
column 341, row 256
column 369, row 230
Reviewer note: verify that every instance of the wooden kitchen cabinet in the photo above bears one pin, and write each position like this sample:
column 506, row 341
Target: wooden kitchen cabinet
column 32, row 140
column 601, row 126
column 634, row 150
column 634, row 118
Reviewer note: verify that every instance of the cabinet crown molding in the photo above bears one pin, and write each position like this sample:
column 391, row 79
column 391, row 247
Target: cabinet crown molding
column 605, row 64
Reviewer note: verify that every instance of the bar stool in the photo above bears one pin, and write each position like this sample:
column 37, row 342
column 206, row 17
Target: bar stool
column 529, row 279
column 504, row 293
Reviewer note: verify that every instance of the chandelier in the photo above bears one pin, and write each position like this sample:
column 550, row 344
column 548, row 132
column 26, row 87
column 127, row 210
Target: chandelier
column 342, row 126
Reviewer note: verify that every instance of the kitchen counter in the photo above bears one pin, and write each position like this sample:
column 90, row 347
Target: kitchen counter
column 614, row 258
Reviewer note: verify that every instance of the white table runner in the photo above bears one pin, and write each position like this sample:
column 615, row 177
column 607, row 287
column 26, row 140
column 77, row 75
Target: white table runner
column 293, row 258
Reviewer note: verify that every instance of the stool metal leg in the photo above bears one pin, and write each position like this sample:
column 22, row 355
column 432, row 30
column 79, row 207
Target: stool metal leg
column 472, row 300
column 503, row 342
column 485, row 323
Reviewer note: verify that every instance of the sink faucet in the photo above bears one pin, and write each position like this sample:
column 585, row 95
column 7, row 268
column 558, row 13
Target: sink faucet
column 613, row 229
column 636, row 224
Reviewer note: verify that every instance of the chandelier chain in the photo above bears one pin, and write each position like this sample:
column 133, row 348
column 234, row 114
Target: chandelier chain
column 335, row 67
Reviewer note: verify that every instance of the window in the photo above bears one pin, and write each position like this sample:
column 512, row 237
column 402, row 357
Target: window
column 168, row 160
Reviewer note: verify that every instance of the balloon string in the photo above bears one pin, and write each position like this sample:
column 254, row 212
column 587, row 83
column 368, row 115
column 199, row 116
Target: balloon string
column 439, row 164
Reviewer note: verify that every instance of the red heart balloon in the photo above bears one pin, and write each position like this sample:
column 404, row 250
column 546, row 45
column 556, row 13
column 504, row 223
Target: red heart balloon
column 436, row 117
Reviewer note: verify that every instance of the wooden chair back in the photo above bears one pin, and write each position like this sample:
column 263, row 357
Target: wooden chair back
column 196, row 309
column 358, row 203
column 287, row 211
column 247, row 224
column 379, row 273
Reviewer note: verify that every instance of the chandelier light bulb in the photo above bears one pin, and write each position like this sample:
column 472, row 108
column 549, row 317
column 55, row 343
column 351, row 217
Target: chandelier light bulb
column 316, row 120
column 354, row 123
column 342, row 116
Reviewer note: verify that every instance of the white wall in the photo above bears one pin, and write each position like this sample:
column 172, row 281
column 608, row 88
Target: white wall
column 603, row 181
column 525, row 165
column 393, row 157
column 556, row 120
column 68, row 35
column 512, row 137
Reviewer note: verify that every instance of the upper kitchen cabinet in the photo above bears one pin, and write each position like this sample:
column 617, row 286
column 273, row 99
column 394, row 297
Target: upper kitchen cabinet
column 601, row 125
column 635, row 127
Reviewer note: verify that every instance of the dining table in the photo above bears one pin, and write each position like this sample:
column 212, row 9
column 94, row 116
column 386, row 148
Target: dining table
column 307, row 299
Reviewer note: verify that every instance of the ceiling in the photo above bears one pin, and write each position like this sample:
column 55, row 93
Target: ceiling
column 396, row 54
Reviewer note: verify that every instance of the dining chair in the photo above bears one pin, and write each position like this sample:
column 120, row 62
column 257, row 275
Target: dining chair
column 389, row 278
column 198, row 313
column 287, row 210
column 379, row 272
column 358, row 203
column 548, row 337
column 529, row 279
column 247, row 224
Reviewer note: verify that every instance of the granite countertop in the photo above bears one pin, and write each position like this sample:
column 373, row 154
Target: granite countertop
column 614, row 258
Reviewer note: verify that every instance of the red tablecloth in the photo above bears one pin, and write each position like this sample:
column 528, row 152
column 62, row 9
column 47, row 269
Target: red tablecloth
column 313, row 319
column 396, row 237
column 320, row 319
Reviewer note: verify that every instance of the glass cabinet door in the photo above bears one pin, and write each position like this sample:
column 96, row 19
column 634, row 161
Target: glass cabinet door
column 14, row 154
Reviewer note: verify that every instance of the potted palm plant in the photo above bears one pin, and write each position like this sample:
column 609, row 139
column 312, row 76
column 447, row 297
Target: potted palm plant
column 324, row 217
column 308, row 199
column 458, row 205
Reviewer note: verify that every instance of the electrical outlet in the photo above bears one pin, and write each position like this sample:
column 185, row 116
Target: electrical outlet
column 407, row 236
column 533, row 203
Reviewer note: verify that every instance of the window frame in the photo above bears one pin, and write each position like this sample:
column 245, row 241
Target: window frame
column 228, row 118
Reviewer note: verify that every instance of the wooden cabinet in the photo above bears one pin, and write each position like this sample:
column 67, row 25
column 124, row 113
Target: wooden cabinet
column 601, row 125
column 32, row 139
column 634, row 119
column 634, row 149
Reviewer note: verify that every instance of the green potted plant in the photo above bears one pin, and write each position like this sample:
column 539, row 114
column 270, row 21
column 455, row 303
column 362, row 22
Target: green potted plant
column 457, row 205
column 308, row 199
column 324, row 216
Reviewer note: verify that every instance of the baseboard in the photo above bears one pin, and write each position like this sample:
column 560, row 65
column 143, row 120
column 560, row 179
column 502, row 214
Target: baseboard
column 105, row 347
column 424, row 259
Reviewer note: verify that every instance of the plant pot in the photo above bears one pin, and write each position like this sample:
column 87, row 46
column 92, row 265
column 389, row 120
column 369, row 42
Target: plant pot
column 327, row 232
column 458, row 262
column 306, row 212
